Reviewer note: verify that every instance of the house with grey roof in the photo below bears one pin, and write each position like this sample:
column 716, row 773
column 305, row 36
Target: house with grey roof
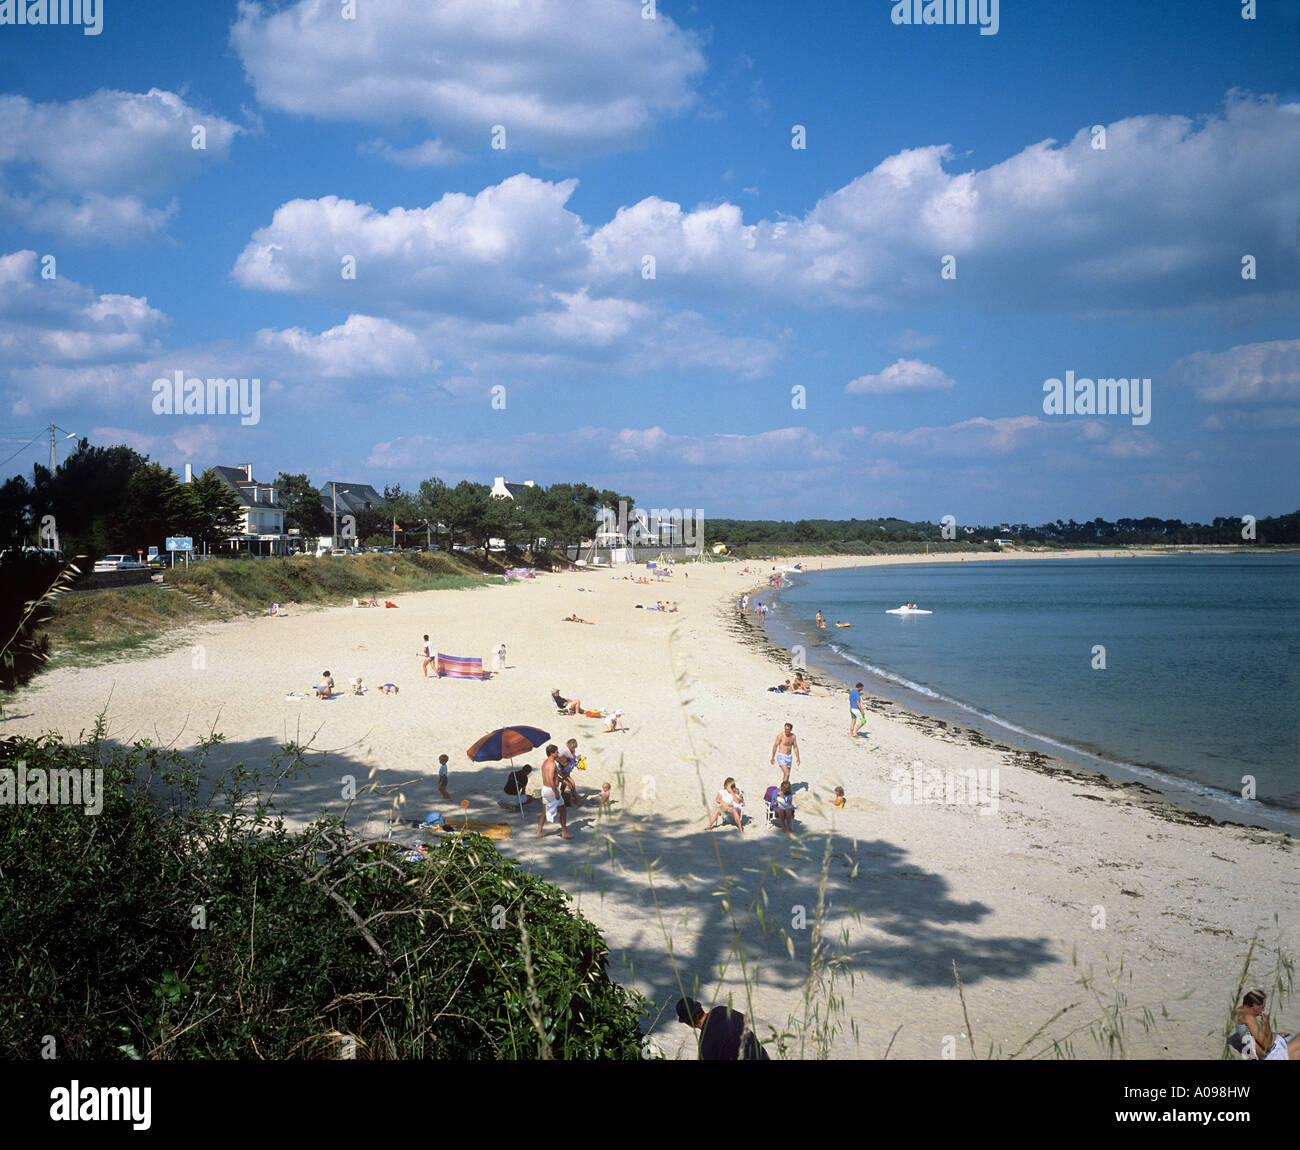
column 262, row 530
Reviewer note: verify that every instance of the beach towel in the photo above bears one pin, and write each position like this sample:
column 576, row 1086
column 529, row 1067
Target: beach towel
column 452, row 667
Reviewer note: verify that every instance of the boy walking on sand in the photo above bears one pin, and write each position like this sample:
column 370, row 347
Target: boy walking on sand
column 785, row 748
column 442, row 777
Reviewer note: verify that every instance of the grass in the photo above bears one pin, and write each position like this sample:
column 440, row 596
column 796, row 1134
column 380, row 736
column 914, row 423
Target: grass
column 105, row 626
column 251, row 585
column 102, row 626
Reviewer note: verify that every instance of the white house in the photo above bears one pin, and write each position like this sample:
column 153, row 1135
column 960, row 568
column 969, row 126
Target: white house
column 503, row 490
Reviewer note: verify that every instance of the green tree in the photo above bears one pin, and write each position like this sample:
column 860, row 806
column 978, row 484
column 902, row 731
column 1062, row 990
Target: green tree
column 221, row 512
column 301, row 501
column 15, row 512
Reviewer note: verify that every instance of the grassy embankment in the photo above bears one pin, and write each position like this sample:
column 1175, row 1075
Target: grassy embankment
column 101, row 626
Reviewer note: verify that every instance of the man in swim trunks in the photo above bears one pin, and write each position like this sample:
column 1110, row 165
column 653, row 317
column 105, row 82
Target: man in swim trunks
column 857, row 719
column 553, row 807
column 1269, row 1045
column 785, row 747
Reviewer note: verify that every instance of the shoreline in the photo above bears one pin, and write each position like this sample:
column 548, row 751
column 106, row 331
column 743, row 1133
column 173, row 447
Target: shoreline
column 906, row 889
column 1186, row 799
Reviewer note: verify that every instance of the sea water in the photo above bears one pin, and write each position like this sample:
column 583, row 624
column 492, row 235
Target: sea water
column 1182, row 671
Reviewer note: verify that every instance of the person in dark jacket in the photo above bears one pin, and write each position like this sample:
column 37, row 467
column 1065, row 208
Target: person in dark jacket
column 724, row 1033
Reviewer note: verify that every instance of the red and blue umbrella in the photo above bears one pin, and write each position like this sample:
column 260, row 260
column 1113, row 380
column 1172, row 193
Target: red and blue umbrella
column 506, row 743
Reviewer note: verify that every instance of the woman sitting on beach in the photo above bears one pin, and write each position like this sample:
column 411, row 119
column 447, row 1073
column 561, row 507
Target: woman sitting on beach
column 1269, row 1047
column 325, row 688
column 730, row 799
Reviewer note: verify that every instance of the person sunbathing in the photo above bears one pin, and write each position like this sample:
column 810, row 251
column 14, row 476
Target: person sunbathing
column 571, row 706
column 1269, row 1046
column 785, row 807
column 575, row 619
column 729, row 799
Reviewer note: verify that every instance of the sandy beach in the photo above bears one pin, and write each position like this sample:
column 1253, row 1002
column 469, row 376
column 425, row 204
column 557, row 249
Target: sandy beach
column 1063, row 873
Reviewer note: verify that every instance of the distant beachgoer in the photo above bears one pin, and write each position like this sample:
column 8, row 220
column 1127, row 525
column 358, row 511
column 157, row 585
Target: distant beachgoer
column 575, row 619
column 604, row 797
column 553, row 807
column 615, row 724
column 430, row 656
column 325, row 688
column 725, row 1036
column 729, row 799
column 388, row 688
column 785, row 748
column 572, row 706
column 820, row 621
column 442, row 777
column 857, row 717
column 1269, row 1047
column 501, row 658
column 838, row 800
column 357, row 687
column 785, row 806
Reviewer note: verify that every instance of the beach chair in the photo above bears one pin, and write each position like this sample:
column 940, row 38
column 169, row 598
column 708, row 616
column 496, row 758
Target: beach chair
column 769, row 806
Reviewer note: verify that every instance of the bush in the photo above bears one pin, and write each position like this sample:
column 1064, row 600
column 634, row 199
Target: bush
column 164, row 927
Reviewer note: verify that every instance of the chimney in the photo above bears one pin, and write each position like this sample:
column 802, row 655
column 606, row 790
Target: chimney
column 248, row 470
column 189, row 473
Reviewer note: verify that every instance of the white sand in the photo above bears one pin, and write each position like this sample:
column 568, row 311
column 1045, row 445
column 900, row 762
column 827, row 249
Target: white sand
column 1067, row 866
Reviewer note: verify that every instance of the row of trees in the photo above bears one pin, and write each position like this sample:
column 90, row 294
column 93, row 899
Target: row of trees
column 561, row 515
column 1281, row 529
column 102, row 500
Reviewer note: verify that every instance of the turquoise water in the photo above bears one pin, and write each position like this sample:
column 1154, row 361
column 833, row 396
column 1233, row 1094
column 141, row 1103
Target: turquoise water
column 1201, row 682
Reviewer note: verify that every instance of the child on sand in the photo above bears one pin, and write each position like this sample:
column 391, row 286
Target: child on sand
column 356, row 686
column 442, row 777
column 604, row 797
column 501, row 658
column 730, row 799
column 838, row 800
column 615, row 723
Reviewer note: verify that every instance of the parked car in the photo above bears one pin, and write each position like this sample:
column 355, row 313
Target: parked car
column 117, row 563
column 338, row 551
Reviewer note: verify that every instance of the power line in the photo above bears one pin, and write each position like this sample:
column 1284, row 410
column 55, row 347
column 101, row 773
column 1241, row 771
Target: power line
column 24, row 447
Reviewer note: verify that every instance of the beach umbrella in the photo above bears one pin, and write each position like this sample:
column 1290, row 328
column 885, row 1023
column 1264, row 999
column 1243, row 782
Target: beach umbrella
column 506, row 743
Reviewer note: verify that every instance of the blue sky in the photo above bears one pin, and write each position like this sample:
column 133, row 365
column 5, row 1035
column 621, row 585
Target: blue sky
column 523, row 267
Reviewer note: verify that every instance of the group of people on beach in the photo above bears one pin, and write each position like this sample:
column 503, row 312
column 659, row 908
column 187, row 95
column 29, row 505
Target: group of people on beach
column 730, row 799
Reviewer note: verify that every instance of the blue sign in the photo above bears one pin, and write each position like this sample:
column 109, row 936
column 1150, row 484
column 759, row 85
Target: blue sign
column 180, row 543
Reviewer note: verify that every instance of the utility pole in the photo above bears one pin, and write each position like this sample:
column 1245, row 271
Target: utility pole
column 54, row 463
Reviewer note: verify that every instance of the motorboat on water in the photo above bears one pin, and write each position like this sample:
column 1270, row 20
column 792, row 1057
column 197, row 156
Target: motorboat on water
column 906, row 610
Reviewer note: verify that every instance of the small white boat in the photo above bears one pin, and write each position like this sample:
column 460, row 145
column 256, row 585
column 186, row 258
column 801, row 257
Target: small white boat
column 907, row 611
